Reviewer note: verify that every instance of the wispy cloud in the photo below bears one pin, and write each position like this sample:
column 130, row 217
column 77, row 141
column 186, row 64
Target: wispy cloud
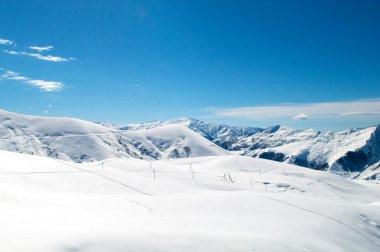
column 301, row 116
column 6, row 42
column 361, row 113
column 41, row 48
column 323, row 110
column 40, row 56
column 43, row 85
column 10, row 75
column 46, row 85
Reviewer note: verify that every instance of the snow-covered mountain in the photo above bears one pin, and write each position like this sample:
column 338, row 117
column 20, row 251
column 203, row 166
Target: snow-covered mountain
column 349, row 153
column 221, row 134
column 371, row 173
column 78, row 140
column 346, row 153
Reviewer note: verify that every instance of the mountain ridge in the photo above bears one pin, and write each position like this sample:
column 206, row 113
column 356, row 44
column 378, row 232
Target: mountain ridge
column 345, row 152
column 348, row 153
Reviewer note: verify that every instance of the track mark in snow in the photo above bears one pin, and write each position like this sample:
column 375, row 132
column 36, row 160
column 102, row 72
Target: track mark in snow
column 142, row 205
column 105, row 177
column 320, row 214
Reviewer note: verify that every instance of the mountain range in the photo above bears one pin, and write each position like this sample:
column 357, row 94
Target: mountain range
column 353, row 153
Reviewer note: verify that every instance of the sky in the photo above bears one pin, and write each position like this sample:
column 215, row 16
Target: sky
column 305, row 64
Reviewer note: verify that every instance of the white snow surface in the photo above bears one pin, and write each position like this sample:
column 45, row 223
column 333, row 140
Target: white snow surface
column 346, row 153
column 79, row 140
column 117, row 205
column 319, row 147
column 371, row 173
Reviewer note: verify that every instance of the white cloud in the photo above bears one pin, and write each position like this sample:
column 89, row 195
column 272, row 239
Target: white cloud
column 48, row 57
column 301, row 116
column 41, row 48
column 11, row 52
column 47, row 86
column 6, row 42
column 10, row 75
column 40, row 56
column 361, row 113
column 303, row 111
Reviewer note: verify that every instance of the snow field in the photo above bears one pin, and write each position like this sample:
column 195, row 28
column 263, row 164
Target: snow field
column 118, row 205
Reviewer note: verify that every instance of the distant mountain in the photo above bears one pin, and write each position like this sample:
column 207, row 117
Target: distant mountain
column 78, row 140
column 222, row 135
column 347, row 153
column 371, row 173
column 353, row 153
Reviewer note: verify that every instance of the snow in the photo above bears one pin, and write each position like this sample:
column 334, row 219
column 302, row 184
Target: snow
column 309, row 148
column 312, row 147
column 117, row 205
column 348, row 153
column 371, row 173
column 167, row 140
column 78, row 140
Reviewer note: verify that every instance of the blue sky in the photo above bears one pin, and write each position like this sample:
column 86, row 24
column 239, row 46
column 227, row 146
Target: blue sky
column 300, row 63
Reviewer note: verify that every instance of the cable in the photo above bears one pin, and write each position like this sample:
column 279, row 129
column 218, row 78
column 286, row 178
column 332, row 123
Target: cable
column 105, row 177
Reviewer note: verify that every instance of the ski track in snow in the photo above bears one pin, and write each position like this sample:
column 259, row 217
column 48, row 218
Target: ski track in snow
column 320, row 214
column 187, row 196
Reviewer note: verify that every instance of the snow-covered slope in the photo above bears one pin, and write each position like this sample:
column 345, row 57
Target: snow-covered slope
column 344, row 152
column 172, row 141
column 78, row 140
column 347, row 153
column 116, row 205
column 221, row 134
column 371, row 172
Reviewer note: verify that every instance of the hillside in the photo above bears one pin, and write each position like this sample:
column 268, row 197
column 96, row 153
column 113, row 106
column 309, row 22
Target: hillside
column 117, row 205
column 78, row 140
column 347, row 153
